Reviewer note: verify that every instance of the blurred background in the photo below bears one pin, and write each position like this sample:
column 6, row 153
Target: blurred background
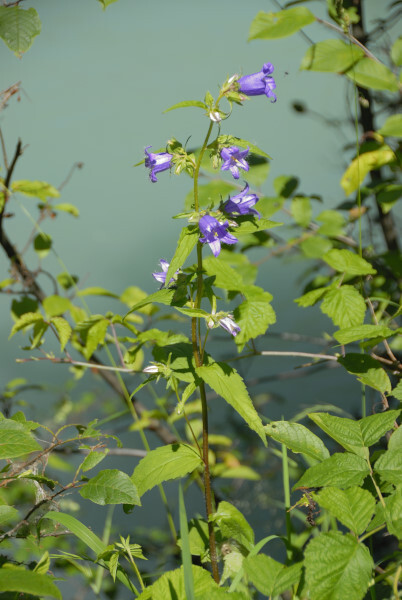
column 94, row 86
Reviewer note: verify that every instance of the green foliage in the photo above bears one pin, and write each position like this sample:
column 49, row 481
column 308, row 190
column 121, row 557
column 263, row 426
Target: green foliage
column 332, row 56
column 298, row 438
column 267, row 26
column 270, row 577
column 111, row 487
column 17, row 579
column 15, row 440
column 18, row 27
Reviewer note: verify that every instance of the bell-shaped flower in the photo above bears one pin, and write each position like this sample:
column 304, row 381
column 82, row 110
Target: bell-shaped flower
column 233, row 158
column 259, row 83
column 157, row 162
column 161, row 276
column 215, row 233
column 242, row 203
column 230, row 325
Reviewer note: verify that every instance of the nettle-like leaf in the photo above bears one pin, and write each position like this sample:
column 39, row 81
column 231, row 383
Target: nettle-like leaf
column 26, row 320
column 361, row 166
column 233, row 524
column 337, row 567
column 344, row 305
column 391, row 514
column 315, row 246
column 224, row 275
column 367, row 370
column 18, row 27
column 268, row 26
column 93, row 459
column 171, row 585
column 15, row 440
column 354, row 334
column 298, row 439
column 310, row 298
column 111, row 486
column 55, row 305
column 353, row 507
column 254, row 315
column 348, row 262
column 63, row 329
column 269, row 576
column 228, row 384
column 389, row 466
column 93, row 332
column 187, row 240
column 335, row 56
column 165, row 463
column 340, row 470
column 186, row 104
column 371, row 74
column 24, row 582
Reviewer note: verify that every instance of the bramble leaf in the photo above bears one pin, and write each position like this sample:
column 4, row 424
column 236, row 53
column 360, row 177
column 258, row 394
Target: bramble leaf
column 298, row 439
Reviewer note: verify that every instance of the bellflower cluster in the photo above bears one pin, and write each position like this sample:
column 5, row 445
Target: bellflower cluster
column 157, row 162
column 215, row 233
column 161, row 276
column 259, row 83
column 233, row 158
column 242, row 203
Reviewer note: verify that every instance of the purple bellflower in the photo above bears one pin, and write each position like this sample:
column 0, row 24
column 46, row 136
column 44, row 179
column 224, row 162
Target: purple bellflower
column 161, row 277
column 259, row 83
column 233, row 158
column 230, row 325
column 242, row 203
column 215, row 233
column 157, row 162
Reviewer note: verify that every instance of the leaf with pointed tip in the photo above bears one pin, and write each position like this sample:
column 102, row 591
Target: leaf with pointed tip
column 353, row 507
column 340, row 470
column 298, row 439
column 185, row 104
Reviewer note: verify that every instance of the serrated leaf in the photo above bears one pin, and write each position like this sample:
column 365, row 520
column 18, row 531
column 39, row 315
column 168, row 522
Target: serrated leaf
column 368, row 370
column 334, row 56
column 67, row 207
column 353, row 507
column 210, row 193
column 298, row 439
column 392, row 126
column 397, row 391
column 395, row 441
column 346, row 261
column 93, row 459
column 340, row 470
column 389, row 466
column 164, row 463
column 233, row 524
column 337, row 567
column 228, row 384
column 193, row 312
column 111, row 486
column 15, row 440
column 171, row 585
column 18, row 27
column 63, row 330
column 93, row 332
column 187, row 240
column 26, row 320
column 315, row 246
column 270, row 577
column 253, row 316
column 361, row 166
column 28, row 582
column 371, row 74
column 391, row 514
column 34, row 189
column 168, row 296
column 354, row 334
column 375, row 426
column 311, row 297
column 247, row 225
column 268, row 26
column 187, row 103
column 226, row 277
column 345, row 306
column 55, row 305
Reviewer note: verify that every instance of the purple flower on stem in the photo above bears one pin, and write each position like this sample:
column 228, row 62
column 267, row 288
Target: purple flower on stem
column 233, row 158
column 157, row 162
column 259, row 83
column 215, row 233
column 230, row 325
column 161, row 277
column 242, row 203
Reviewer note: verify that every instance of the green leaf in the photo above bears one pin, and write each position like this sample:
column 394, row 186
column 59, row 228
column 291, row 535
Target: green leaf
column 254, row 315
column 67, row 207
column 392, row 126
column 56, row 305
column 63, row 330
column 396, row 52
column 18, row 27
column 93, row 459
column 187, row 240
column 247, row 225
column 361, row 166
column 285, row 185
column 268, row 26
column 353, row 507
column 228, row 384
column 370, row 74
column 185, row 549
column 389, row 195
column 337, row 567
column 391, row 514
column 270, row 577
column 186, row 103
column 226, row 277
column 311, row 297
column 181, row 360
column 26, row 320
column 397, row 391
column 209, row 194
column 340, row 470
column 348, row 262
column 233, row 524
column 164, row 463
column 34, row 189
column 334, row 56
column 368, row 370
column 111, row 486
column 354, row 334
column 301, row 210
column 298, row 439
column 333, row 223
column 15, row 440
column 193, row 312
column 389, row 466
column 97, row 291
column 93, row 332
column 168, row 296
column 171, row 585
column 315, row 246
column 79, row 530
column 42, row 244
column 105, row 3
column 345, row 306
column 27, row 582
column 8, row 514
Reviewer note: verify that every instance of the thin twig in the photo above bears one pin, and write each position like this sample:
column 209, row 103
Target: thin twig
column 386, row 345
column 3, row 148
column 305, row 354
